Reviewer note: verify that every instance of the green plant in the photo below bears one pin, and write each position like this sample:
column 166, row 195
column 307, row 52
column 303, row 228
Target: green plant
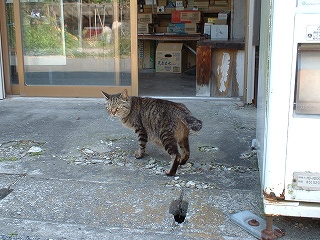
column 10, row 159
column 43, row 35
column 125, row 46
column 42, row 38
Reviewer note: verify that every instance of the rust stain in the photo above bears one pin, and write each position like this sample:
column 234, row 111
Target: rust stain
column 204, row 62
column 273, row 197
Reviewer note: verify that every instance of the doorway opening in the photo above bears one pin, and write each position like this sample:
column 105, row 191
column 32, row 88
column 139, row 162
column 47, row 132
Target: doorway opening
column 156, row 84
column 167, row 67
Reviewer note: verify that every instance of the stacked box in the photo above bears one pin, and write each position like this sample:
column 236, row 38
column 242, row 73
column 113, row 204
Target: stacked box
column 186, row 16
column 191, row 28
column 161, row 29
column 219, row 31
column 144, row 18
column 217, row 21
column 144, row 28
column 146, row 54
column 171, row 58
column 218, row 27
column 148, row 8
column 176, row 28
column 182, row 28
column 202, row 5
column 224, row 15
column 207, row 28
column 162, row 2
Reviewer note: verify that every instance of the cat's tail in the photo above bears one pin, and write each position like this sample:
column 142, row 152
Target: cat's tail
column 194, row 123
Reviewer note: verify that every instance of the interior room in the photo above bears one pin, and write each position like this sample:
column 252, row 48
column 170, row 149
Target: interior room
column 155, row 26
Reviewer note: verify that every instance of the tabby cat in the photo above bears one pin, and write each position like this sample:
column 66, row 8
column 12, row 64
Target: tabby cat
column 166, row 123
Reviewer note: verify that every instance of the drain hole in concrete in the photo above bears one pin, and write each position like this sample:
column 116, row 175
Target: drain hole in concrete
column 178, row 208
column 5, row 192
column 179, row 218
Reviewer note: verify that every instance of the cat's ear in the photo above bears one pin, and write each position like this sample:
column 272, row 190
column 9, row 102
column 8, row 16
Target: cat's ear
column 106, row 95
column 124, row 95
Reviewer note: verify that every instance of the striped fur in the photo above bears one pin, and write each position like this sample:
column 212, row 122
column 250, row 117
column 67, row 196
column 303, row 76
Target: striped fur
column 166, row 123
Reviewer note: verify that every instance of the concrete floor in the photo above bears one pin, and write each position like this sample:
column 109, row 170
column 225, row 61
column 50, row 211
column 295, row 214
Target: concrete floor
column 86, row 184
column 166, row 84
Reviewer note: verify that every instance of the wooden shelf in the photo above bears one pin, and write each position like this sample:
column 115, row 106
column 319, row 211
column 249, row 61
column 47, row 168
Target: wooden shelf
column 238, row 44
column 171, row 37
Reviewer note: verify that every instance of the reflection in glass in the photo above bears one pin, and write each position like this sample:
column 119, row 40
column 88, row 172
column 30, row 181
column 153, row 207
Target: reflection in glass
column 12, row 43
column 76, row 42
column 308, row 79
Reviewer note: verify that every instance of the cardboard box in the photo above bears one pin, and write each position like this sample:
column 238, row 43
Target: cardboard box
column 144, row 18
column 221, row 22
column 224, row 15
column 144, row 28
column 161, row 29
column 169, row 9
column 171, row 58
column 201, row 5
column 148, row 8
column 146, row 54
column 212, row 20
column 179, row 4
column 164, row 22
column 176, row 28
column 207, row 28
column 219, row 31
column 149, row 2
column 186, row 16
column 162, row 2
column 218, row 21
column 190, row 28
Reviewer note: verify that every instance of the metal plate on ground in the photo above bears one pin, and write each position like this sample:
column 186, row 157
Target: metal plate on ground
column 250, row 222
column 4, row 192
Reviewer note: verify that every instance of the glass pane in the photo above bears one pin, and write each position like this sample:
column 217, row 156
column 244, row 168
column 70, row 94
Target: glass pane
column 308, row 79
column 76, row 42
column 12, row 43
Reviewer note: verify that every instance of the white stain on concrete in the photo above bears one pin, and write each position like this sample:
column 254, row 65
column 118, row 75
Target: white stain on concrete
column 223, row 71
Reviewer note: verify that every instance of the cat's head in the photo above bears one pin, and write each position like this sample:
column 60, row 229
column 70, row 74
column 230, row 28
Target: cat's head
column 118, row 105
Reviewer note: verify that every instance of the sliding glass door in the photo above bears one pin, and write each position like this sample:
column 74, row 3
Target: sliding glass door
column 75, row 48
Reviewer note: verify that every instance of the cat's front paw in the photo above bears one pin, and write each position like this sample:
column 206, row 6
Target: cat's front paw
column 138, row 154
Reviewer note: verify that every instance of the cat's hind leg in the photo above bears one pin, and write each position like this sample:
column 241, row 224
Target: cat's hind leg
column 143, row 139
column 170, row 145
column 182, row 136
column 184, row 146
column 174, row 165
